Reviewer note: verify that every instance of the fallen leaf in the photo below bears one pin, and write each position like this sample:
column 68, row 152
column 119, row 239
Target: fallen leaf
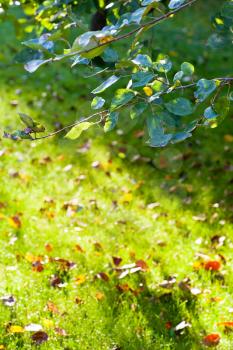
column 8, row 300
column 226, row 324
column 123, row 287
column 211, row 339
column 48, row 247
column 78, row 248
column 212, row 265
column 78, row 300
column 33, row 327
column 200, row 217
column 169, row 283
column 116, row 260
column 48, row 323
column 15, row 329
column 126, row 198
column 40, row 337
column 60, row 331
column 103, row 276
column 52, row 307
column 80, row 279
column 15, row 221
column 142, row 264
column 99, row 296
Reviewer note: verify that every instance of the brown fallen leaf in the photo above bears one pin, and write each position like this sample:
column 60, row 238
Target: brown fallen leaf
column 142, row 264
column 78, row 248
column 40, row 337
column 116, row 260
column 78, row 300
column 103, row 276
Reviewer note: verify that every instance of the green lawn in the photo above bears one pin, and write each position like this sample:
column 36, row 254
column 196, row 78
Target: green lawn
column 166, row 211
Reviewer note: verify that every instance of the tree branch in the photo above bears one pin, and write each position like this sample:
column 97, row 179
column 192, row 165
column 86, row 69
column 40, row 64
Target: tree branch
column 224, row 81
column 134, row 31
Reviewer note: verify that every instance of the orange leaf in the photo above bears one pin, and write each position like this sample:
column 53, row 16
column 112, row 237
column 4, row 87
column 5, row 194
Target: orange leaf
column 211, row 339
column 52, row 307
column 15, row 221
column 226, row 324
column 212, row 265
column 99, row 296
column 48, row 247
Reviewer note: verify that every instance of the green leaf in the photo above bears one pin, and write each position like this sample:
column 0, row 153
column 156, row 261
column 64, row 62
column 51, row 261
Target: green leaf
column 111, row 121
column 174, row 4
column 97, row 102
column 178, row 76
column 77, row 130
column 33, row 65
column 138, row 109
column 204, row 89
column 157, row 137
column 110, row 81
column 122, row 97
column 180, row 136
column 142, row 60
column 209, row 113
column 163, row 64
column 141, row 78
column 28, row 121
column 110, row 55
column 187, row 68
column 180, row 106
column 41, row 43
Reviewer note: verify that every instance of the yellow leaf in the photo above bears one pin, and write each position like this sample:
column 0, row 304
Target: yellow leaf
column 2, row 347
column 48, row 323
column 126, row 198
column 148, row 91
column 106, row 39
column 16, row 329
column 80, row 279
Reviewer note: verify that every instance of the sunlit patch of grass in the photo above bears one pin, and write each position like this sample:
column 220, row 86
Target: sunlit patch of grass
column 112, row 217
